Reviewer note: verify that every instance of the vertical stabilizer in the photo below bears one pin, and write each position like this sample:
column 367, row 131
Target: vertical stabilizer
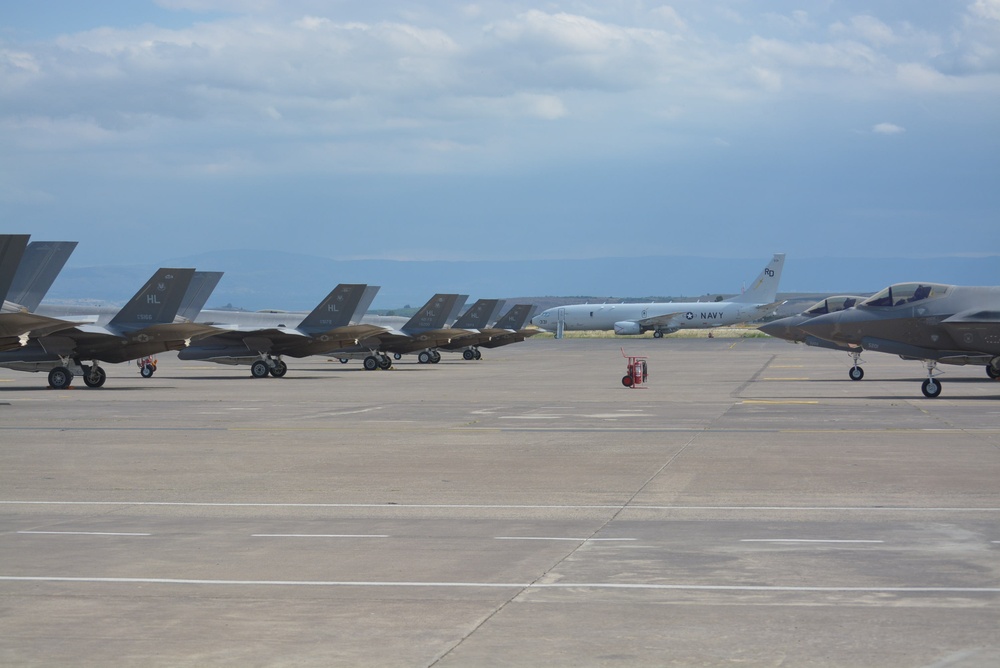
column 335, row 310
column 365, row 303
column 42, row 262
column 156, row 303
column 431, row 315
column 459, row 303
column 478, row 315
column 764, row 289
column 12, row 247
column 516, row 317
column 202, row 285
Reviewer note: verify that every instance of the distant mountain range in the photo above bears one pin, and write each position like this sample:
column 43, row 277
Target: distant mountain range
column 256, row 280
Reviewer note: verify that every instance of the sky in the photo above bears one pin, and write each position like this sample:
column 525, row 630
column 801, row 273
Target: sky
column 502, row 130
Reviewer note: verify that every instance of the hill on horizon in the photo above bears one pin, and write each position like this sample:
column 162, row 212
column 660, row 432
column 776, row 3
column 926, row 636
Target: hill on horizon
column 257, row 280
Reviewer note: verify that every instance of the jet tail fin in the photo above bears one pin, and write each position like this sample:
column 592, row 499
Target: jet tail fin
column 12, row 247
column 479, row 315
column 433, row 314
column 202, row 285
column 366, row 301
column 765, row 288
column 516, row 317
column 156, row 302
column 42, row 262
column 336, row 309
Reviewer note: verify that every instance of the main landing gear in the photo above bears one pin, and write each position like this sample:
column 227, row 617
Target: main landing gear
column 429, row 357
column 268, row 366
column 61, row 377
column 377, row 361
column 470, row 354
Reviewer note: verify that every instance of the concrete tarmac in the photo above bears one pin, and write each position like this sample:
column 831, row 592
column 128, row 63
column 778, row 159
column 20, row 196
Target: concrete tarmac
column 750, row 506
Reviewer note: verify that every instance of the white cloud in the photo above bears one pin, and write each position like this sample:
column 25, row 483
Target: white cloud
column 987, row 9
column 887, row 129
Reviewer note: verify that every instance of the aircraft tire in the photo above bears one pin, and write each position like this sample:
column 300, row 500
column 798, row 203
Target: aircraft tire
column 991, row 373
column 424, row 357
column 397, row 356
column 467, row 354
column 279, row 370
column 478, row 354
column 94, row 377
column 60, row 378
column 259, row 369
column 657, row 334
column 147, row 370
column 435, row 357
column 343, row 360
column 384, row 363
column 371, row 363
column 856, row 373
column 931, row 388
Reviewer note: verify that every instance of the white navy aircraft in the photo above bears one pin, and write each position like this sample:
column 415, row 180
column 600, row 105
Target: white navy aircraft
column 667, row 317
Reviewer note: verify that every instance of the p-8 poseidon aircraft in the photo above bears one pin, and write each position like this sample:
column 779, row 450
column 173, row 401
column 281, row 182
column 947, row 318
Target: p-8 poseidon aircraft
column 668, row 317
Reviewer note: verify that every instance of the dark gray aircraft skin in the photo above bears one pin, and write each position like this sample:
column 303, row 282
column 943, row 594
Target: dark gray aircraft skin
column 789, row 329
column 16, row 323
column 510, row 327
column 42, row 262
column 421, row 334
column 474, row 322
column 918, row 321
column 145, row 326
column 325, row 330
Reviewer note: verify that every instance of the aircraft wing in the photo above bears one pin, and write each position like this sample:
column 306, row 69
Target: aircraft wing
column 16, row 324
column 662, row 321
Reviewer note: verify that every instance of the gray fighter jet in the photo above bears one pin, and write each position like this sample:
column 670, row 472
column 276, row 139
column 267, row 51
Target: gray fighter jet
column 789, row 329
column 145, row 326
column 510, row 327
column 325, row 330
column 920, row 321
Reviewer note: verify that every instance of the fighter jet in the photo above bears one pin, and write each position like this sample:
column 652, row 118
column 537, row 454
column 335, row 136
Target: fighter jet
column 668, row 317
column 421, row 334
column 510, row 327
column 789, row 329
column 325, row 330
column 919, row 321
column 474, row 322
column 144, row 326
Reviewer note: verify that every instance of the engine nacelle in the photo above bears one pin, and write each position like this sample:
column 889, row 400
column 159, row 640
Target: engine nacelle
column 627, row 327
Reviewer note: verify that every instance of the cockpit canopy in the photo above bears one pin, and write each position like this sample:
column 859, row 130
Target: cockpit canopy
column 905, row 293
column 834, row 304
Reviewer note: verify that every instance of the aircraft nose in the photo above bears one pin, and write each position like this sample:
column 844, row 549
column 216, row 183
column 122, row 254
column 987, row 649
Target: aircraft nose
column 827, row 327
column 776, row 328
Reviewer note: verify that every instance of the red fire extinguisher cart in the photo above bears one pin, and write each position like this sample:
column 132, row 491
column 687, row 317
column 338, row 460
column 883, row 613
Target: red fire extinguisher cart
column 636, row 372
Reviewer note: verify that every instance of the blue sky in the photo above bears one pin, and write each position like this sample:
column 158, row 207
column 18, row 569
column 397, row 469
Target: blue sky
column 493, row 130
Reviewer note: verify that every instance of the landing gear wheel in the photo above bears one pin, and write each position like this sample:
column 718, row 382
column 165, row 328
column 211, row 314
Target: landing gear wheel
column 397, row 356
column 657, row 334
column 931, row 388
column 344, row 360
column 384, row 363
column 371, row 363
column 424, row 357
column 94, row 376
column 147, row 370
column 478, row 354
column 435, row 357
column 280, row 369
column 467, row 354
column 856, row 373
column 259, row 369
column 627, row 381
column 991, row 372
column 60, row 378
